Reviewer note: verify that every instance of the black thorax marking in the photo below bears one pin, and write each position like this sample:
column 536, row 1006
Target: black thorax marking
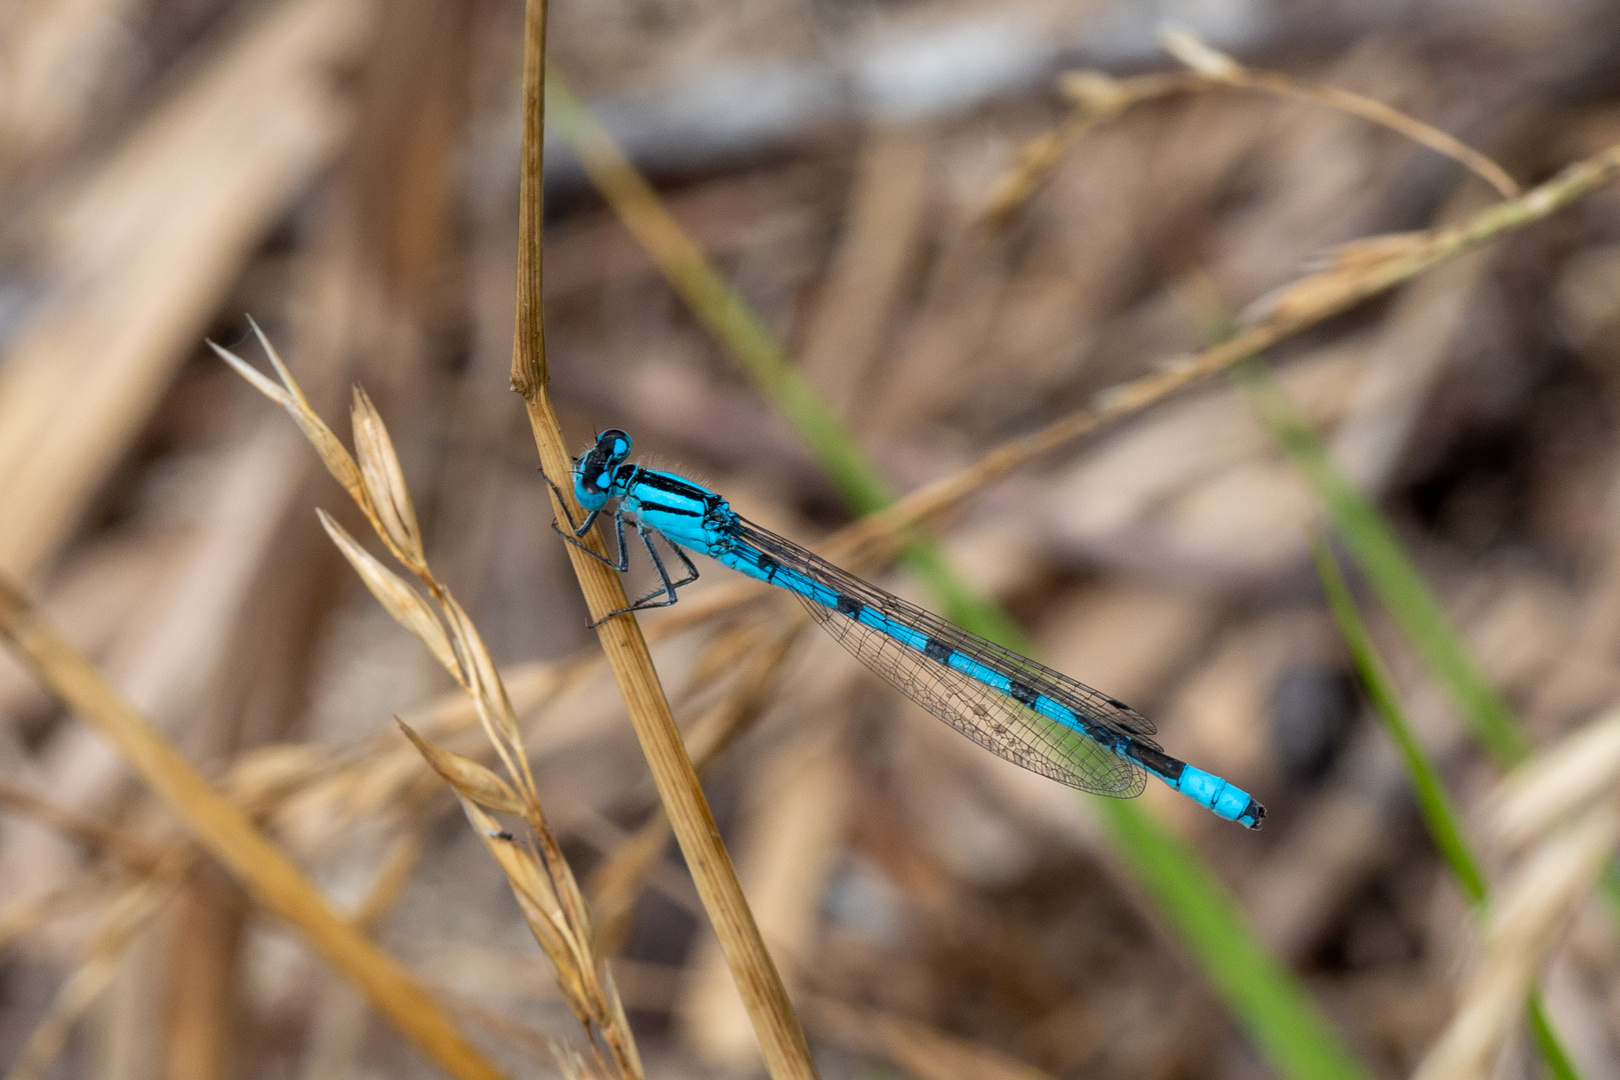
column 660, row 507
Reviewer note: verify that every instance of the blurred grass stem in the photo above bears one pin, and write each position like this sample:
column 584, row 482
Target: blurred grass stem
column 1099, row 97
column 257, row 864
column 1362, row 272
column 1439, row 813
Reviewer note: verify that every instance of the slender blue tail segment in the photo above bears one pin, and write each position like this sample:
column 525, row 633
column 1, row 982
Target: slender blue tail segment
column 1020, row 710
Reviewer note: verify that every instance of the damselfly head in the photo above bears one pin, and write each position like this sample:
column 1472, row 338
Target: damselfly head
column 594, row 469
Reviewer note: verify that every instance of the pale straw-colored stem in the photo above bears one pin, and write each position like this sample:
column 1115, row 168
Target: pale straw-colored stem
column 781, row 1039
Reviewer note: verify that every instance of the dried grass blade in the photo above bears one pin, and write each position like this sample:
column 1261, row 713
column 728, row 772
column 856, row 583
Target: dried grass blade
column 290, row 397
column 261, row 867
column 129, row 913
column 1216, row 66
column 1583, row 767
column 27, row 915
column 396, row 596
column 535, row 895
column 135, row 855
column 1097, row 98
column 470, row 780
column 281, row 368
column 486, row 676
column 385, row 480
column 561, row 927
column 620, row 1022
column 1533, row 914
column 275, row 393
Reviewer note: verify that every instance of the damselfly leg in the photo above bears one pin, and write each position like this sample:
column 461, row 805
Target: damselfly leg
column 668, row 587
column 621, row 564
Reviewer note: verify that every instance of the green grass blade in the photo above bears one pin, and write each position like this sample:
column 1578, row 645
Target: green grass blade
column 1439, row 813
column 1268, row 1002
column 1262, row 994
column 1552, row 1051
column 1383, row 559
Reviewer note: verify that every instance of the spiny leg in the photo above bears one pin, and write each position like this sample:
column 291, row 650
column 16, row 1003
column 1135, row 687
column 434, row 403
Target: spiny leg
column 562, row 503
column 622, row 563
column 691, row 571
column 667, row 589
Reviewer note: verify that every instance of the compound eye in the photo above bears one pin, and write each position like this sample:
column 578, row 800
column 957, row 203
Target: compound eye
column 614, row 443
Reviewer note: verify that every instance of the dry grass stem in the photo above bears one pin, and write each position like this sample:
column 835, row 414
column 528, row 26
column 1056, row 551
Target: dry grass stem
column 616, row 884
column 781, row 1038
column 262, row 869
column 26, row 916
column 1523, row 927
column 1369, row 270
column 1582, row 769
column 1099, row 97
column 127, row 915
column 1218, row 68
column 134, row 855
column 539, row 876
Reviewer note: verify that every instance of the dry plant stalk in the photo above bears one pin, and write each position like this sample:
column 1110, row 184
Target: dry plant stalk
column 1214, row 67
column 1098, row 97
column 781, row 1038
column 540, row 877
column 267, row 874
column 618, row 882
column 787, row 1055
column 133, row 855
column 26, row 916
column 1357, row 272
column 1558, row 783
column 123, row 920
column 1563, row 808
column 923, row 1052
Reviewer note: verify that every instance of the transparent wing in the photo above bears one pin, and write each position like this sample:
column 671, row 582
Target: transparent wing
column 990, row 718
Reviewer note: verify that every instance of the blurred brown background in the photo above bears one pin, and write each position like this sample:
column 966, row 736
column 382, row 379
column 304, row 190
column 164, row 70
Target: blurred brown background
column 346, row 172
